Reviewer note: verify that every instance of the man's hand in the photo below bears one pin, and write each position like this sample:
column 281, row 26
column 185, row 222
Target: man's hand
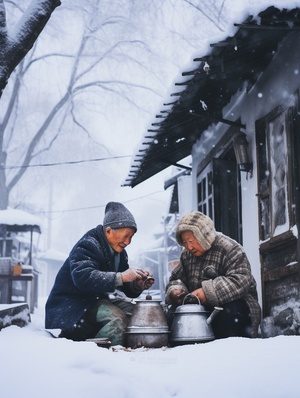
column 132, row 274
column 146, row 282
column 176, row 296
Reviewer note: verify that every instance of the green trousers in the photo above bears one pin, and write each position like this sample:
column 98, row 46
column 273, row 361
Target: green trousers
column 111, row 318
column 106, row 319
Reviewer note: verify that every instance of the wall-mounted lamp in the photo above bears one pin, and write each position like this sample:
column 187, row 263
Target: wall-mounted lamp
column 240, row 145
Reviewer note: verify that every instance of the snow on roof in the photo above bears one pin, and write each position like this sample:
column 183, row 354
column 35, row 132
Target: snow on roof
column 19, row 218
column 173, row 136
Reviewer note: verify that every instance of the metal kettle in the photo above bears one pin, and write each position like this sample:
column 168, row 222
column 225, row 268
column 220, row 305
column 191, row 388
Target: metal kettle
column 191, row 324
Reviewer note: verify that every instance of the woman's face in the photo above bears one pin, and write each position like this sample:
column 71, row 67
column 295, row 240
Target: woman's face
column 191, row 244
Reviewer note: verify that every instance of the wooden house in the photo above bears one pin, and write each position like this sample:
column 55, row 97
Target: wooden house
column 237, row 113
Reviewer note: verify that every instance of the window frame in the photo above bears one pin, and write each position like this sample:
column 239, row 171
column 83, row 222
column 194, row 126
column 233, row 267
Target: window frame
column 268, row 229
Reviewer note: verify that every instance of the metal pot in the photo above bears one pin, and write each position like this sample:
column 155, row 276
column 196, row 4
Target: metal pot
column 148, row 325
column 191, row 325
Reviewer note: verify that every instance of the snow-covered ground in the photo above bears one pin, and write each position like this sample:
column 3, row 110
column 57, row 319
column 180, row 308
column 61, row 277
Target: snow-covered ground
column 36, row 365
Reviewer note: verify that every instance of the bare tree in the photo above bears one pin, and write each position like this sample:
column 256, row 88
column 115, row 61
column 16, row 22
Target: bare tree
column 83, row 74
column 14, row 46
column 108, row 59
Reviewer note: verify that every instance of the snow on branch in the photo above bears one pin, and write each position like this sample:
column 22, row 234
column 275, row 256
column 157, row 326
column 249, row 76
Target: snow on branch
column 15, row 45
column 33, row 21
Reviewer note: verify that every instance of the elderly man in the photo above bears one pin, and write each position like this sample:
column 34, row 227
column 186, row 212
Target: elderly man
column 215, row 268
column 91, row 294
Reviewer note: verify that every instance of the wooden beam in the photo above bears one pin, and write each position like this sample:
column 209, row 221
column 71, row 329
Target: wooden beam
column 280, row 272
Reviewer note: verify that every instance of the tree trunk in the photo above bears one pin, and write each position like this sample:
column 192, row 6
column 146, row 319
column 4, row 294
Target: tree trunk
column 3, row 188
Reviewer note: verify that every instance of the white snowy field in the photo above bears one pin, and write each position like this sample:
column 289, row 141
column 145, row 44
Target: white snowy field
column 36, row 365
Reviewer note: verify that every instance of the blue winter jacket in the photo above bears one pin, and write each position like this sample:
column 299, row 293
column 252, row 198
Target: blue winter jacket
column 87, row 275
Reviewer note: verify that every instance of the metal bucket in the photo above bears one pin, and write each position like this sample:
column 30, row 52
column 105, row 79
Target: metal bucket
column 148, row 325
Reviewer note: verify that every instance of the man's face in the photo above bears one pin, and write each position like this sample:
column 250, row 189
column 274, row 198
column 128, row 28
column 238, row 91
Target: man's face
column 119, row 238
column 191, row 244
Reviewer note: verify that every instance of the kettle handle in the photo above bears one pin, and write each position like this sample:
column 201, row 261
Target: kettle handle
column 191, row 294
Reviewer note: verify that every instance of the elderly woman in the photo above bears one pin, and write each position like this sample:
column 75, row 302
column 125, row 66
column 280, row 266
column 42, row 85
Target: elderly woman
column 93, row 290
column 215, row 268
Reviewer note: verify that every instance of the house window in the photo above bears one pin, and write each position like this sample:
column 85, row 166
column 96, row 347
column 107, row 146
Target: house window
column 219, row 194
column 205, row 194
column 274, row 176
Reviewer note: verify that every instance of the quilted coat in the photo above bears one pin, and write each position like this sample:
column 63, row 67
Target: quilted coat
column 87, row 275
column 223, row 272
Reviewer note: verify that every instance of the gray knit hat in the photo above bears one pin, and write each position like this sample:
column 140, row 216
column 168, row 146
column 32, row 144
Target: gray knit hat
column 202, row 227
column 118, row 216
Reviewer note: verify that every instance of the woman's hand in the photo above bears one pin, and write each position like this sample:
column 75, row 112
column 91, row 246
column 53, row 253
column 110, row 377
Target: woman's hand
column 177, row 295
column 200, row 294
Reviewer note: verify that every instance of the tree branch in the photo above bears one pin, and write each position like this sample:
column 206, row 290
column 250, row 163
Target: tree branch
column 16, row 46
column 34, row 142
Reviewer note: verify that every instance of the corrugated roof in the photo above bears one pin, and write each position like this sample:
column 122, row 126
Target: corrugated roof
column 231, row 65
